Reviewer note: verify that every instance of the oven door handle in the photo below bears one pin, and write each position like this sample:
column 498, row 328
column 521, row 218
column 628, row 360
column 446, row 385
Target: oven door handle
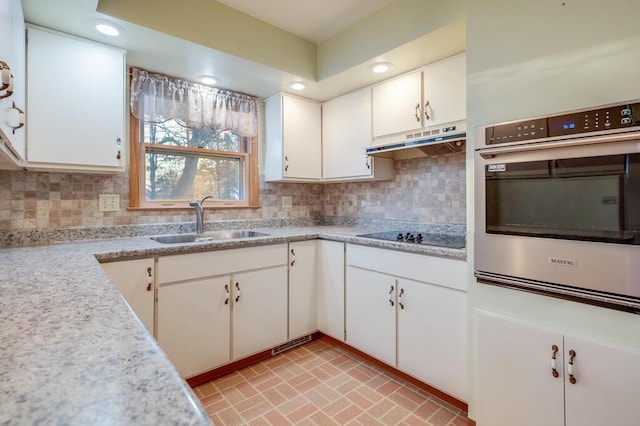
column 563, row 143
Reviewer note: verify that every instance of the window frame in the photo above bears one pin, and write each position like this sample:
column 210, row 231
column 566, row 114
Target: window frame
column 137, row 187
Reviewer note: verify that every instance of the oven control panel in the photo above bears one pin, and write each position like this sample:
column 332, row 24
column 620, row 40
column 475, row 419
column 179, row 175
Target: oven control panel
column 595, row 120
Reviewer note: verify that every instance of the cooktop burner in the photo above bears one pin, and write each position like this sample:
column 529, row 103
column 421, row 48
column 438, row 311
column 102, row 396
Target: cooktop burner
column 439, row 240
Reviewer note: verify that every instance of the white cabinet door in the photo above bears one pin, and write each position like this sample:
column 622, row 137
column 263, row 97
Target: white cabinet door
column 134, row 279
column 445, row 95
column 12, row 52
column 303, row 311
column 346, row 133
column 259, row 310
column 607, row 384
column 294, row 139
column 371, row 313
column 194, row 324
column 514, row 376
column 432, row 335
column 397, row 105
column 330, row 296
column 76, row 104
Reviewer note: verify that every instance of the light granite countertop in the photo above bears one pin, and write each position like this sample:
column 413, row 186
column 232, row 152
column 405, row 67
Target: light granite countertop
column 71, row 352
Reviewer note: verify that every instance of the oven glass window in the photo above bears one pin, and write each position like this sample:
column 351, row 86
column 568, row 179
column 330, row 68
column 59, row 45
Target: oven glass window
column 590, row 199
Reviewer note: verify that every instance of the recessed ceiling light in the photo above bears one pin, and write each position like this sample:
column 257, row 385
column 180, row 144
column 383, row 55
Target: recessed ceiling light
column 297, row 85
column 208, row 80
column 380, row 67
column 107, row 28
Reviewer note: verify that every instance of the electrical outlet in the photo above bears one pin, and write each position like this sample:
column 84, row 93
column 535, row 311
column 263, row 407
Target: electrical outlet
column 109, row 202
column 287, row 201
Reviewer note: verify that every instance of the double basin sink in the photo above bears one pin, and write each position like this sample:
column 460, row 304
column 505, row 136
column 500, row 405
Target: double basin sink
column 207, row 236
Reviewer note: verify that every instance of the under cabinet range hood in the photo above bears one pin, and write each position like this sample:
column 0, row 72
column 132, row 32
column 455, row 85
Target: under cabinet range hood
column 438, row 144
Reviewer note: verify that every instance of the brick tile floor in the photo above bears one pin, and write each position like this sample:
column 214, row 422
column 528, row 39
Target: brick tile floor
column 321, row 384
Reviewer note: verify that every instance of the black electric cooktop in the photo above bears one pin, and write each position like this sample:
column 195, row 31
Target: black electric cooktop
column 424, row 238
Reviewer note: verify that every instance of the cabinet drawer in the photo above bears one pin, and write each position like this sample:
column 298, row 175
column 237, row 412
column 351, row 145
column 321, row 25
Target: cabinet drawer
column 196, row 265
column 430, row 269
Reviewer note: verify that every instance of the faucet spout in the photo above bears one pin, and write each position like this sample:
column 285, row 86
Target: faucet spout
column 199, row 213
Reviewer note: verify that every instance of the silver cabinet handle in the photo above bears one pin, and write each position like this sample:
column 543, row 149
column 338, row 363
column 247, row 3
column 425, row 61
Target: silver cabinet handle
column 20, row 119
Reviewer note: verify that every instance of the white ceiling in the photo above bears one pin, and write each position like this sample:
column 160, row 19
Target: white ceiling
column 164, row 53
column 310, row 19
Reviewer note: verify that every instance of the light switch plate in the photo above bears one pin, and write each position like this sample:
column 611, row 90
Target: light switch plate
column 287, row 201
column 109, row 202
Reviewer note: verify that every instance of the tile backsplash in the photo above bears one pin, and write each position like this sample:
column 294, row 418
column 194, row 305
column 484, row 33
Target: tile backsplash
column 428, row 189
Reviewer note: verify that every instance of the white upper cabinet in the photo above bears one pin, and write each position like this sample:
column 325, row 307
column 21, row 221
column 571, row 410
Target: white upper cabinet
column 76, row 113
column 417, row 104
column 397, row 105
column 445, row 91
column 12, row 42
column 294, row 139
column 346, row 133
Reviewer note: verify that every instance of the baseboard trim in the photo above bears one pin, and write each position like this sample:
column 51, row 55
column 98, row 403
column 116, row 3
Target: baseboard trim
column 210, row 375
column 417, row 383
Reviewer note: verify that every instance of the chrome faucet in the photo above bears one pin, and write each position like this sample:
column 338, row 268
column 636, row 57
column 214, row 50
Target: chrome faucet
column 199, row 213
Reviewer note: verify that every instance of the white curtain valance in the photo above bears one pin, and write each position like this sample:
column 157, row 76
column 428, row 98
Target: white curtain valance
column 157, row 98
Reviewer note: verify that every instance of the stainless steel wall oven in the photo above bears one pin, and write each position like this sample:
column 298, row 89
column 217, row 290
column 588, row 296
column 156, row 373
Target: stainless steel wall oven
column 558, row 205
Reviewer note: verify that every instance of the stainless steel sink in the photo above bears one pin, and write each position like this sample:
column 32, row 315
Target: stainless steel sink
column 207, row 236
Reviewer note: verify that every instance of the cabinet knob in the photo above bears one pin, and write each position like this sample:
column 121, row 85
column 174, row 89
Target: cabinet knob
column 426, row 111
column 571, row 368
column 554, row 363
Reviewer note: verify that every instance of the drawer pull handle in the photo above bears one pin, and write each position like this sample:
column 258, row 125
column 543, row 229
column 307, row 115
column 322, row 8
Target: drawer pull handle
column 570, row 367
column 554, row 363
column 149, row 280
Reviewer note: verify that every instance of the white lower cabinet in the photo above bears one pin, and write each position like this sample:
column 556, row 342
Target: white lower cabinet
column 134, row 279
column 303, row 271
column 409, row 311
column 371, row 313
column 259, row 310
column 330, row 291
column 219, row 306
column 517, row 384
column 194, row 324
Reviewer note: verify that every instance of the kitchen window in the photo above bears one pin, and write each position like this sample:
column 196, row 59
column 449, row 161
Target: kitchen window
column 190, row 141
